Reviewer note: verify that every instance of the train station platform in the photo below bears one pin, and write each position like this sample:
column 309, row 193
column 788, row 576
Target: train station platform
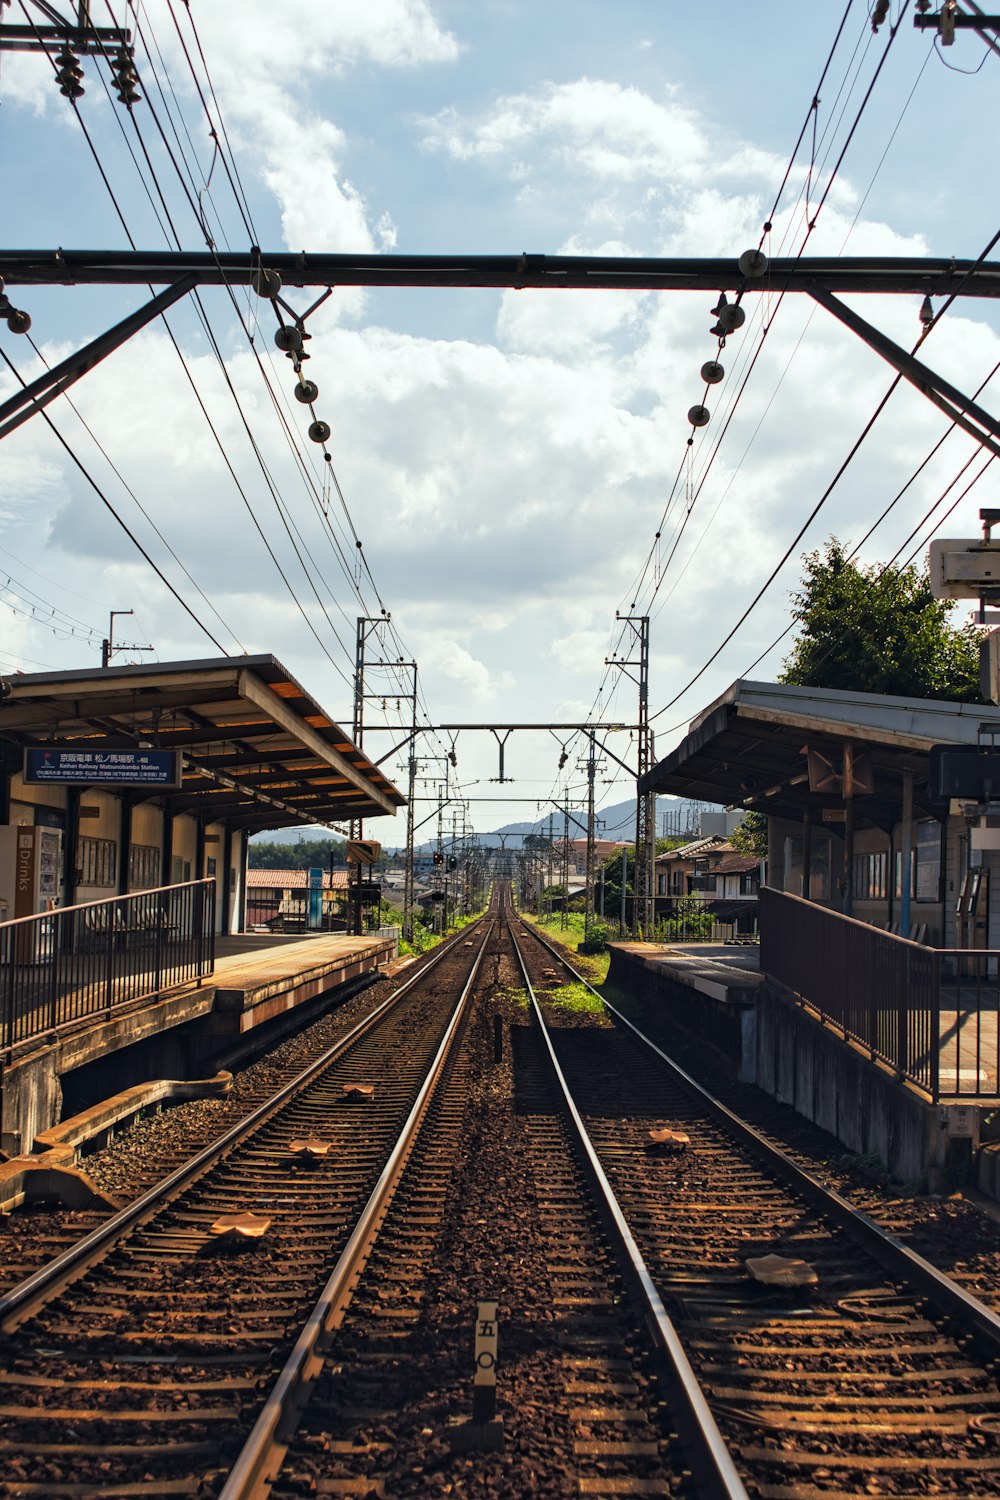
column 765, row 1036
column 259, row 982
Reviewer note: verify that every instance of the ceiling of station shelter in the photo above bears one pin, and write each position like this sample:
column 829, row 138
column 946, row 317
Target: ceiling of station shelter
column 751, row 749
column 256, row 749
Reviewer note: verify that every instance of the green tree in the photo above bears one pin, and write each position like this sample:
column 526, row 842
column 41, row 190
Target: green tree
column 270, row 855
column 878, row 630
column 751, row 836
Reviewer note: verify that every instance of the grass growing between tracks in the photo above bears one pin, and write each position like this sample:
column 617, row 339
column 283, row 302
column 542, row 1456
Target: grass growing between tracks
column 593, row 966
column 572, row 997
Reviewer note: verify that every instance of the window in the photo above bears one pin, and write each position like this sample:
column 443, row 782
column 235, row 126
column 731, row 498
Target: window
column 661, row 885
column 925, row 862
column 928, row 858
column 819, row 874
column 143, row 866
column 97, row 861
column 871, row 876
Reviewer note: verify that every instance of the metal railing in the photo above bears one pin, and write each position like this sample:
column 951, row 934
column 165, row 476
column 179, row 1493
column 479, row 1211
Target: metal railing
column 930, row 1014
column 75, row 963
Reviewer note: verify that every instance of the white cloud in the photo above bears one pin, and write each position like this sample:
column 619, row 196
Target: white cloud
column 506, row 476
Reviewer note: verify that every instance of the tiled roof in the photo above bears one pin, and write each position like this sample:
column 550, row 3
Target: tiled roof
column 293, row 880
column 736, row 864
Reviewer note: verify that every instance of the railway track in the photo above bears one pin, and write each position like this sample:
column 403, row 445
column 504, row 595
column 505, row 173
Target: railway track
column 145, row 1153
column 499, row 1202
column 164, row 1370
column 134, row 1363
column 880, row 1380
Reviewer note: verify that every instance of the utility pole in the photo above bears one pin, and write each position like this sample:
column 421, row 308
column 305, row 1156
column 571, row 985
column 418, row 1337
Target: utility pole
column 636, row 666
column 588, row 911
column 368, row 626
column 108, row 647
column 408, row 879
column 564, row 923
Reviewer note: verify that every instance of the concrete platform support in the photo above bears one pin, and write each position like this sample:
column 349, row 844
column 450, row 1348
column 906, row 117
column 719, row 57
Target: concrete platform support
column 256, row 991
column 764, row 1038
column 712, row 1002
column 834, row 1084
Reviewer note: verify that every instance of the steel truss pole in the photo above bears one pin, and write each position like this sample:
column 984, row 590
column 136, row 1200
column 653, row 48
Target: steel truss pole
column 408, row 885
column 52, row 383
column 637, row 668
column 588, row 911
column 564, row 923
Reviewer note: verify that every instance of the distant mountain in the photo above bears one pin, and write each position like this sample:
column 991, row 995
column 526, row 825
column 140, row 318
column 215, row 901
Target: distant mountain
column 673, row 816
column 617, row 821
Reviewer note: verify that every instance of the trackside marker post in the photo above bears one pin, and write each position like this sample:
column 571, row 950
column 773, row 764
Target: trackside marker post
column 484, row 1386
column 484, row 1431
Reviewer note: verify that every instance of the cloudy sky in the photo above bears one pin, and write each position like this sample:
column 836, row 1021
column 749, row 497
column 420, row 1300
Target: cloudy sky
column 506, row 458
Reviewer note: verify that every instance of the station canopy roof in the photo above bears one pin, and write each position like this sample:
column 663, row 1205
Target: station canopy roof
column 257, row 750
column 750, row 748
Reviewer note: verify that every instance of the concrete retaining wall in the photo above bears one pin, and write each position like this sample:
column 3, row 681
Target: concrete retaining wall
column 722, row 1017
column 834, row 1084
column 765, row 1038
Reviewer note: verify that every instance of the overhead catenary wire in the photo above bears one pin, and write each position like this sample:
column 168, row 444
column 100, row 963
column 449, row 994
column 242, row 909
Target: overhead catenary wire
column 822, row 500
column 120, row 519
column 221, row 361
column 768, row 323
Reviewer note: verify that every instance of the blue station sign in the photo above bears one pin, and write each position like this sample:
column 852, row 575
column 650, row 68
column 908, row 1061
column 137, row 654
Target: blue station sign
column 57, row 765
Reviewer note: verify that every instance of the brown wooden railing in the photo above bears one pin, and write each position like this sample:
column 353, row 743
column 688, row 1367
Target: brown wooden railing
column 931, row 1014
column 75, row 963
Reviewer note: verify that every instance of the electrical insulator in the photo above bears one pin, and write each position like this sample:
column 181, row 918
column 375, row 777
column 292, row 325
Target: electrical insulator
column 699, row 416
column 319, row 432
column 288, row 339
column 17, row 321
column 927, row 312
column 754, row 262
column 306, row 391
column 946, row 23
column 68, row 74
column 730, row 315
column 125, row 78
column 452, row 757
column 712, row 372
column 563, row 759
column 265, row 283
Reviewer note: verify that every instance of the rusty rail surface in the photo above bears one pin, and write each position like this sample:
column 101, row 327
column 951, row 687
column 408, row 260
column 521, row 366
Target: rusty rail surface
column 902, row 1262
column 710, row 1456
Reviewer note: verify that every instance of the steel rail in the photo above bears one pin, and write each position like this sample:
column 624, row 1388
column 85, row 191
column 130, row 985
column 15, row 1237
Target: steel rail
column 939, row 276
column 711, row 1461
column 260, row 1459
column 23, row 1300
column 897, row 1258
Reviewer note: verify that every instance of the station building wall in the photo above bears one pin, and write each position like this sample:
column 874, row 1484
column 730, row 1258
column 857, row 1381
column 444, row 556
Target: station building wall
column 877, row 872
column 120, row 852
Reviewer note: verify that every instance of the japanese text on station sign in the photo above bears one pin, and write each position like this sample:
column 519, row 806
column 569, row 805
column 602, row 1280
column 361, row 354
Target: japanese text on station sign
column 63, row 767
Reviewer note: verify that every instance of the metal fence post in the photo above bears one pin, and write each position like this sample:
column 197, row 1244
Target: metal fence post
column 212, row 894
column 53, row 967
column 109, row 970
column 935, row 1048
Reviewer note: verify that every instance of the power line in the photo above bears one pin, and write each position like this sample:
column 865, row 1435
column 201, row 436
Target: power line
column 121, row 522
